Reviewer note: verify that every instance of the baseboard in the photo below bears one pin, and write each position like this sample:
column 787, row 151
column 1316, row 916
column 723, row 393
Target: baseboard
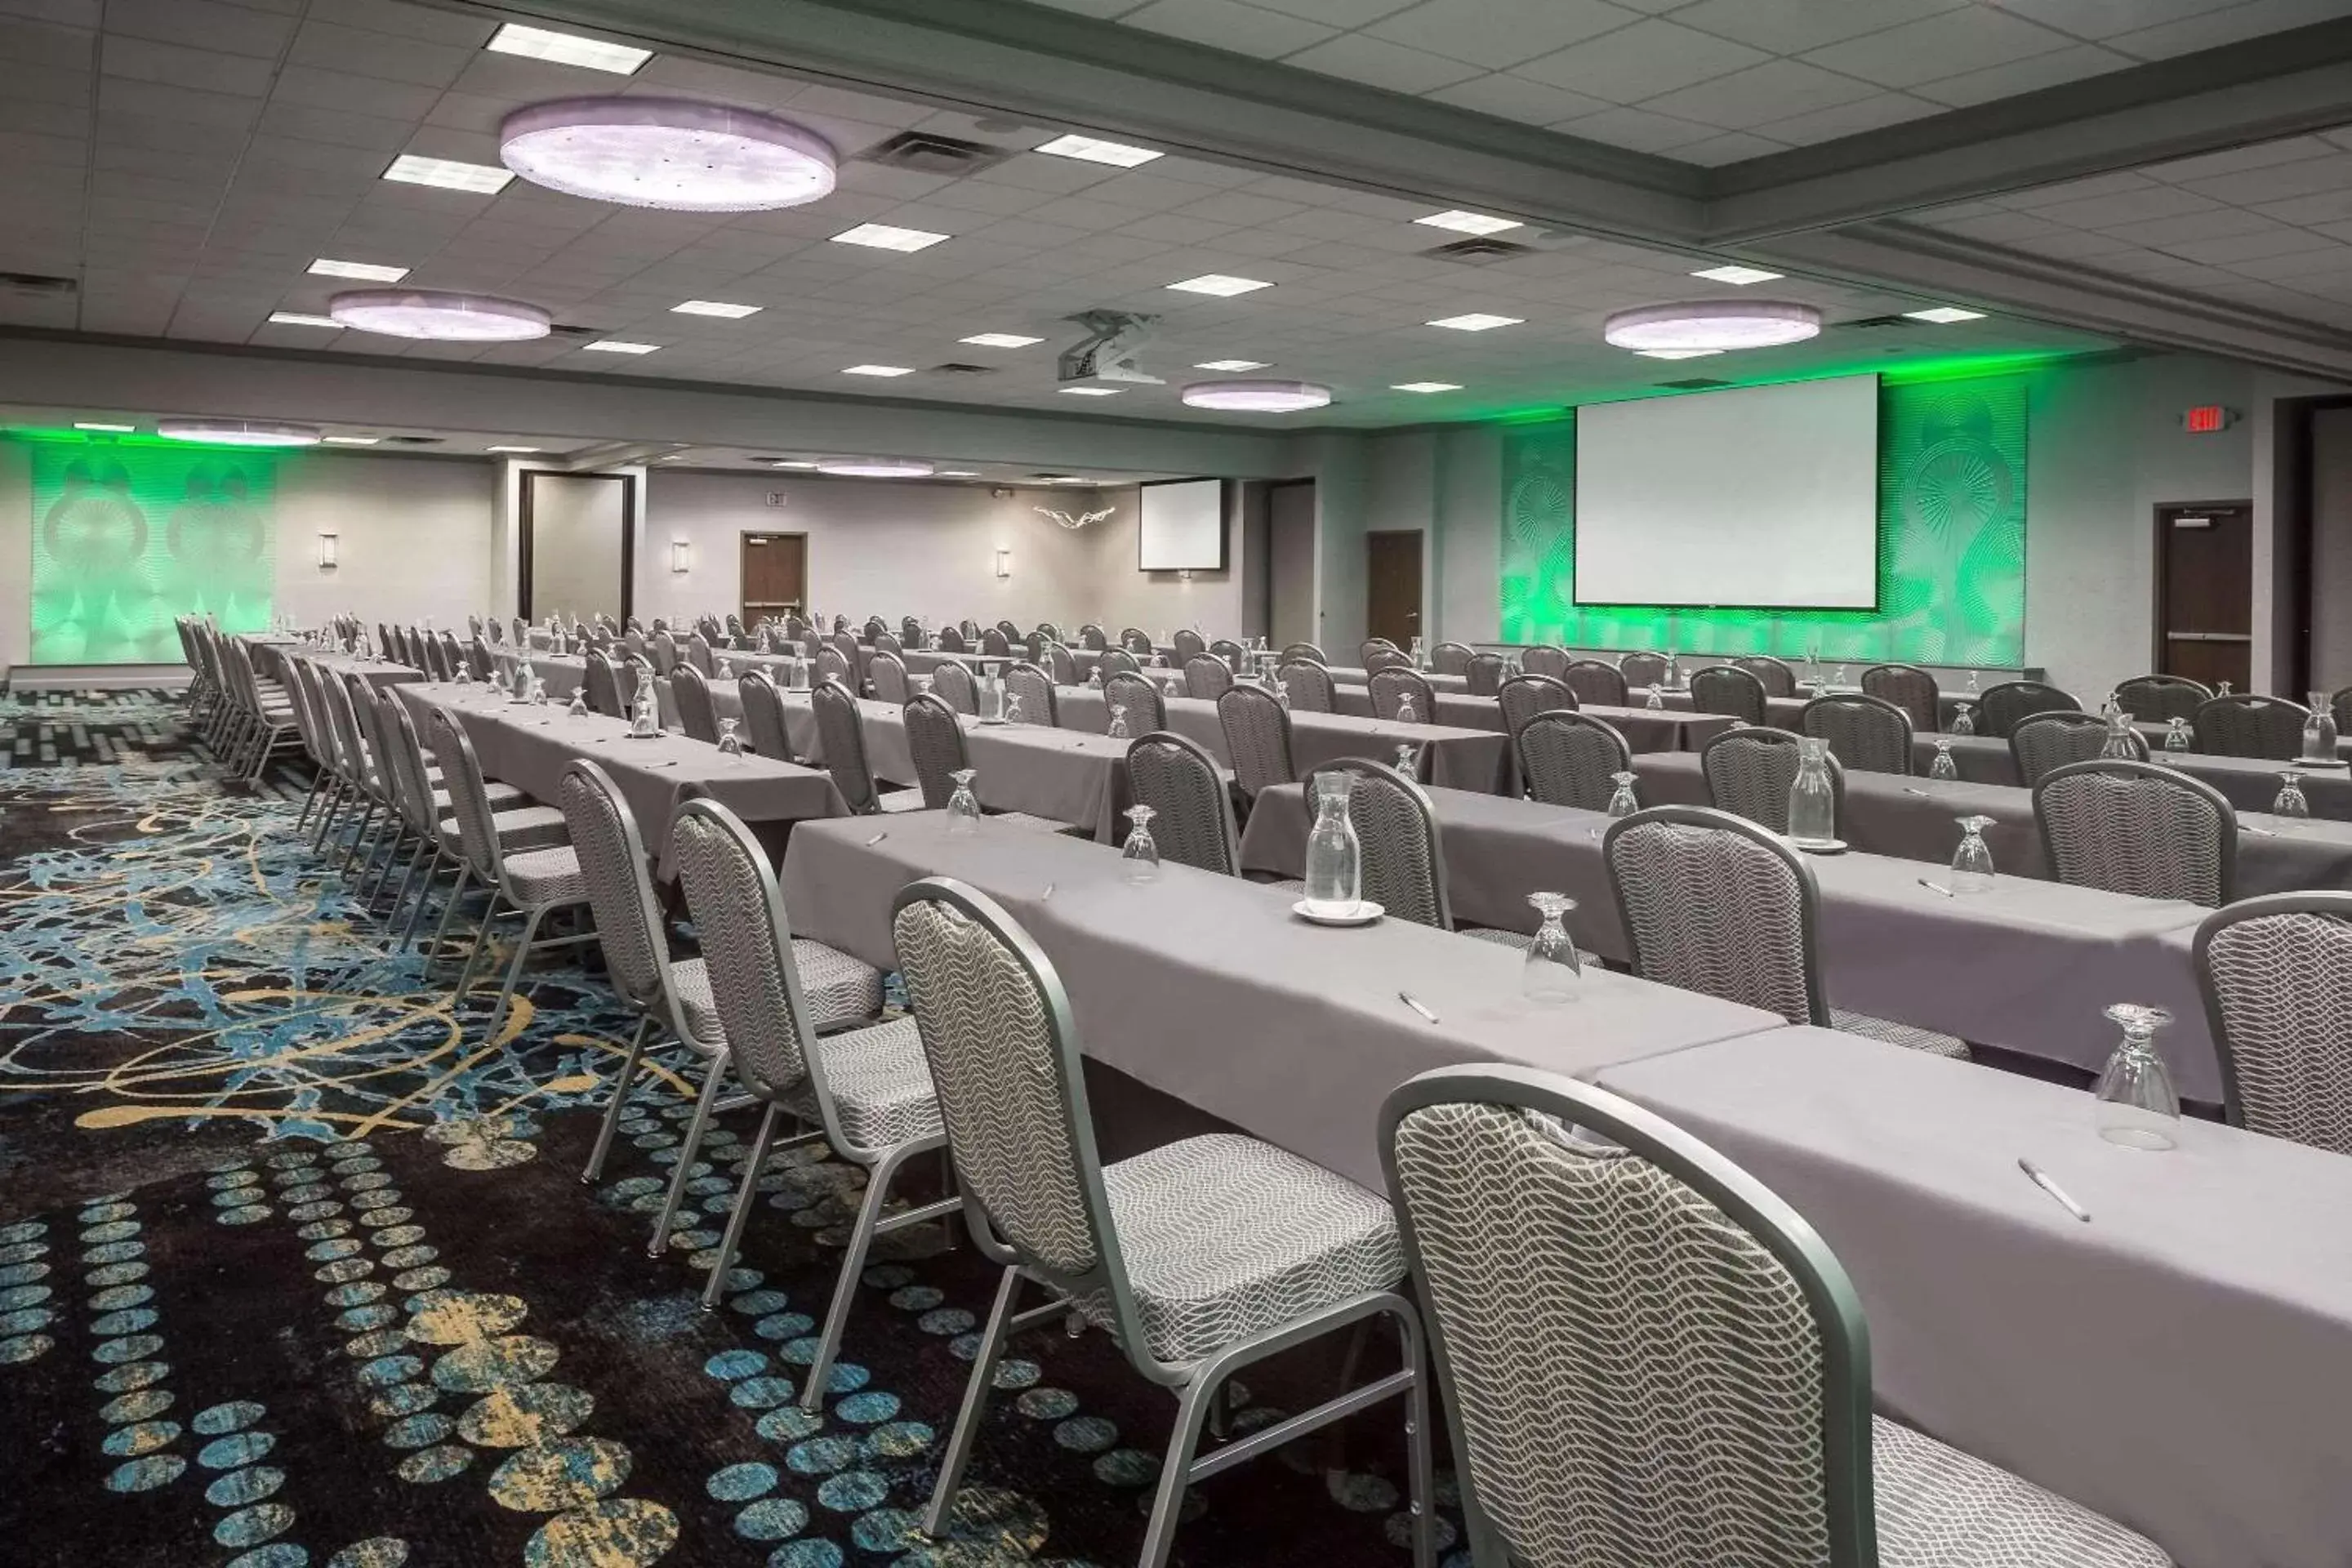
column 96, row 677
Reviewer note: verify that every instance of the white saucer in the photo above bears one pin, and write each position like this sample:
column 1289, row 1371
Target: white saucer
column 1365, row 913
column 1819, row 845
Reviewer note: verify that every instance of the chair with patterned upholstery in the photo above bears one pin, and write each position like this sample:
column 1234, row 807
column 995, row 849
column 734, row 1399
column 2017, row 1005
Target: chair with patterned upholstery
column 994, row 641
column 1404, row 852
column 1452, row 659
column 1308, row 683
column 1643, row 669
column 1596, row 682
column 841, row 737
column 1523, row 695
column 1093, row 636
column 1750, row 772
column 697, row 715
column 1031, row 647
column 2274, row 972
column 1136, row 641
column 951, row 640
column 887, row 642
column 1909, row 688
column 1187, row 644
column 603, row 684
column 2160, row 698
column 2140, row 829
column 1232, row 652
column 952, row 684
column 2048, row 741
column 1305, row 650
column 2247, row 724
column 1647, row 1357
column 1258, row 738
column 1402, row 695
column 1115, row 659
column 1199, row 1258
column 1207, row 679
column 1485, row 674
column 1571, row 759
column 2340, row 704
column 1378, row 656
column 1864, row 733
column 763, row 716
column 1139, row 695
column 1716, row 904
column 1369, row 647
column 1033, row 690
column 1778, row 680
column 1061, row 664
column 887, row 672
column 697, row 652
column 831, row 664
column 935, row 744
column 662, row 648
column 2003, row 707
column 1728, row 690
column 1545, row 658
column 1192, row 812
column 479, row 662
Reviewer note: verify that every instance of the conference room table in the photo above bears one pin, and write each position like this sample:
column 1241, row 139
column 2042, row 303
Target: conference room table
column 376, row 672
column 2251, row 784
column 1783, row 712
column 1461, row 758
column 2028, row 967
column 2182, row 1362
column 1208, row 989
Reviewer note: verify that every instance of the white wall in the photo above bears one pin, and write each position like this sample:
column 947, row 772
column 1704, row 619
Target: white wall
column 1160, row 602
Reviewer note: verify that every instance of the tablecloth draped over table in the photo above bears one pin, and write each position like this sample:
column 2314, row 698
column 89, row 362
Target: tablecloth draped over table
column 376, row 672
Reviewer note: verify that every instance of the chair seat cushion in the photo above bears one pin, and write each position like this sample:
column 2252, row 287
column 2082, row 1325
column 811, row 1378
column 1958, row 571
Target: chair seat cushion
column 502, row 796
column 880, row 1085
column 1940, row 1508
column 550, row 876
column 901, row 800
column 1904, row 1035
column 690, row 984
column 839, row 989
column 1225, row 1237
column 1501, row 938
column 524, row 827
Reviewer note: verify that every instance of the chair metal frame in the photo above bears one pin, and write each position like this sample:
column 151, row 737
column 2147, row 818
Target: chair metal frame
column 1924, row 710
column 1548, row 693
column 1403, row 682
column 1122, row 688
column 2249, row 709
column 2027, row 698
column 2089, row 724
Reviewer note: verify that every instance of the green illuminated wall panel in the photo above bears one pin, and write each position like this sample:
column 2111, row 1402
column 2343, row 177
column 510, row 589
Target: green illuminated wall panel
column 126, row 536
column 1951, row 546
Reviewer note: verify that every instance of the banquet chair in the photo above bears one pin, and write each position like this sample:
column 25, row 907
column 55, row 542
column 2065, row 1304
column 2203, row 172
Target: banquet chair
column 1308, row 684
column 1404, row 853
column 1596, row 682
column 478, row 659
column 1093, row 636
column 951, row 640
column 2247, row 725
column 2048, row 741
column 1699, row 1396
column 887, row 672
column 521, row 632
column 841, row 738
column 1031, row 646
column 1207, row 679
column 1116, row 660
column 1395, row 691
column 697, row 715
column 1139, row 695
column 1863, row 733
column 1185, row 645
column 268, row 726
column 1714, row 903
column 1643, row 669
column 2160, row 698
column 884, row 642
column 1749, row 772
column 971, row 630
column 1303, row 650
column 1258, row 738
column 1778, row 680
column 2003, row 707
column 1909, row 688
column 380, row 847
column 1227, row 650
column 1061, row 665
column 935, row 742
column 663, row 651
column 1728, row 689
column 453, row 654
column 831, row 664
column 1377, row 654
column 328, row 743
column 1192, row 811
column 763, row 716
column 2274, row 972
column 1545, row 658
column 1523, row 695
column 495, row 629
column 1010, row 628
column 1034, row 690
column 952, row 683
column 910, row 632
column 994, row 641
column 310, row 724
column 875, row 626
column 1136, row 641
column 1216, row 1251
column 1451, row 658
column 603, row 685
column 427, row 808
column 1568, row 759
column 2139, row 829
column 847, row 647
column 1485, row 674
column 2340, row 704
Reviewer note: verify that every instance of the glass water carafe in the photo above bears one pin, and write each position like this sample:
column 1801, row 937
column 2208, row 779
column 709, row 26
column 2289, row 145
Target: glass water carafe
column 1118, row 721
column 524, row 676
column 1813, row 799
column 2137, row 1106
column 1334, row 859
column 1419, row 654
column 2319, row 731
column 1553, row 971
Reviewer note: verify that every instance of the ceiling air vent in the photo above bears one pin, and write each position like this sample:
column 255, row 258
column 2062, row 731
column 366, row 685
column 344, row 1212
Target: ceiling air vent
column 39, row 283
column 1480, row 250
column 414, row 440
column 1876, row 323
column 953, row 368
column 1694, row 383
column 927, row 152
column 564, row 330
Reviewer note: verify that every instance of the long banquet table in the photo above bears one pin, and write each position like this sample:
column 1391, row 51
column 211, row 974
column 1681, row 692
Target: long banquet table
column 1449, row 754
column 2182, row 1364
column 376, row 672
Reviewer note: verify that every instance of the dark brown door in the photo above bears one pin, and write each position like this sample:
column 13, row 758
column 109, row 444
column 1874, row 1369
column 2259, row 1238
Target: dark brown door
column 775, row 575
column 2205, row 593
column 1393, row 587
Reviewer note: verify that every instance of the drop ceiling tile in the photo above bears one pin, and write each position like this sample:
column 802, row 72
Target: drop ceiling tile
column 1169, row 228
column 2279, row 182
column 2332, row 208
column 2218, row 223
column 2075, row 63
column 202, row 25
column 1638, row 130
column 218, row 110
column 2231, row 24
column 1060, row 176
column 1223, row 24
column 366, row 132
column 22, row 83
column 2076, row 190
column 1776, row 90
column 2073, row 245
column 308, row 87
column 2106, row 19
column 2127, row 206
column 2261, row 245
column 2304, row 264
column 397, row 58
column 143, row 59
column 1938, row 46
column 1854, row 118
column 1641, row 61
column 1516, row 98
column 1358, row 57
column 430, row 23
column 60, row 13
column 1500, row 33
column 2002, row 227
column 37, row 117
column 1105, row 9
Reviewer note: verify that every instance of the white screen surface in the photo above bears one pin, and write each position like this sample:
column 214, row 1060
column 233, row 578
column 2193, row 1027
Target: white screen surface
column 1761, row 495
column 1182, row 527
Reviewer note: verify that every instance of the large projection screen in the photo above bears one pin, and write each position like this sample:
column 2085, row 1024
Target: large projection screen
column 1182, row 527
column 1754, row 498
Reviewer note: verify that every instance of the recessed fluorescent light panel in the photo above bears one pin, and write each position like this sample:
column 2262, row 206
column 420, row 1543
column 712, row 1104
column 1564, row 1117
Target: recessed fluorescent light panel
column 103, row 427
column 959, row 473
column 1475, row 321
column 302, row 318
column 1234, row 365
column 1426, row 387
column 999, row 340
column 1094, row 150
column 1469, row 223
column 449, row 174
column 514, row 448
column 1676, row 353
column 365, row 271
column 1090, row 392
column 790, row 463
column 1743, row 276
column 878, row 370
column 882, row 236
column 1944, row 315
column 618, row 346
column 568, row 49
column 1222, row 285
column 719, row 308
column 353, row 441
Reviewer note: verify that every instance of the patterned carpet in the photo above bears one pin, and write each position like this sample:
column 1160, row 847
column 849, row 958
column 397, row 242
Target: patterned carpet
column 296, row 1268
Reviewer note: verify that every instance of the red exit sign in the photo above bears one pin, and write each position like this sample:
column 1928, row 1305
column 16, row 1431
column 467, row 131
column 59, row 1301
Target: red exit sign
column 2208, row 417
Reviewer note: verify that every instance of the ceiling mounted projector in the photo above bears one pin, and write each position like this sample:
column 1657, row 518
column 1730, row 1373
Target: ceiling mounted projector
column 1714, row 324
column 439, row 316
column 1257, row 396
column 1106, row 356
column 668, row 153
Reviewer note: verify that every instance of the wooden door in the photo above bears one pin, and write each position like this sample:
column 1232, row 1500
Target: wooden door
column 775, row 575
column 1392, row 585
column 2205, row 593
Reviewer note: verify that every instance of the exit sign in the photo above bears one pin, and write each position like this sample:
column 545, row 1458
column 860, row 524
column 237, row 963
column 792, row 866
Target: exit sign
column 2208, row 417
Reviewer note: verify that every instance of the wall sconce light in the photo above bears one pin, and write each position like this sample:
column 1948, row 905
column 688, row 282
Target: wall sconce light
column 1003, row 562
column 682, row 555
column 327, row 551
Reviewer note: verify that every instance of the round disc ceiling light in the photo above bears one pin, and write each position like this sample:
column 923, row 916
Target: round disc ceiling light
column 439, row 316
column 876, row 467
column 1257, row 396
column 238, row 432
column 668, row 153
column 1714, row 324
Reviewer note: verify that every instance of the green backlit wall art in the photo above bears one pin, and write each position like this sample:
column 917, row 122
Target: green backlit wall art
column 1952, row 545
column 127, row 536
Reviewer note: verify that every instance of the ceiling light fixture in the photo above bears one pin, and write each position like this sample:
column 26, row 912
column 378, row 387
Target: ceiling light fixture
column 238, row 432
column 515, row 450
column 353, row 441
column 1475, row 321
column 1944, row 315
column 790, row 463
column 1676, row 353
column 1095, row 150
column 1470, row 223
column 876, row 467
column 1734, row 273
column 999, row 340
column 1223, row 285
column 1257, row 396
column 1426, row 387
column 1089, row 391
column 878, row 370
column 618, row 346
column 439, row 316
column 882, row 236
column 302, row 318
column 568, row 49
column 668, row 153
column 449, row 174
column 1231, row 364
column 958, row 474
column 104, row 427
column 719, row 308
column 1714, row 324
column 363, row 271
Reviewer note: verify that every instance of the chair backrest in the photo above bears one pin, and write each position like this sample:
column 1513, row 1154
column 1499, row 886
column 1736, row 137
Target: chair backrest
column 1232, row 652
column 1750, row 772
column 1188, row 645
column 1716, row 904
column 1140, row 695
column 461, row 776
column 1778, row 680
column 1452, row 658
column 2048, row 741
column 1393, row 688
column 2340, row 704
column 935, row 742
column 1367, row 650
column 1524, row 695
column 1642, row 668
column 2136, row 828
column 1403, row 855
column 1302, row 650
column 310, row 718
column 841, row 736
column 603, row 684
column 2274, row 972
column 2246, row 724
column 1031, row 647
column 1545, row 658
column 951, row 683
column 951, row 640
column 831, row 664
column 663, row 651
column 477, row 658
column 1567, row 758
column 763, row 716
column 887, row 671
column 1726, row 688
column 1863, row 731
column 613, row 862
column 1909, row 688
column 747, row 951
column 1061, row 665
column 1485, row 674
column 495, row 629
column 1308, row 683
column 414, row 790
column 2159, row 699
column 697, row 652
column 1699, row 1396
column 1091, row 635
column 1136, row 641
column 696, row 714
column 1378, row 656
column 1035, row 688
column 1596, row 682
column 1192, row 812
column 884, row 642
column 2003, row 707
column 993, row 640
column 1257, row 737
column 1207, row 677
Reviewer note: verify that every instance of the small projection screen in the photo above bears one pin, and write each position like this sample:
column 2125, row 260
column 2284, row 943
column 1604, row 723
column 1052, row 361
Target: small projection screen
column 1753, row 497
column 1182, row 527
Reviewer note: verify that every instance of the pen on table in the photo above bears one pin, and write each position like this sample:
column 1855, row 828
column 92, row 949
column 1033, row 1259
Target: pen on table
column 877, row 839
column 1936, row 887
column 2035, row 1175
column 1046, row 894
column 1410, row 1000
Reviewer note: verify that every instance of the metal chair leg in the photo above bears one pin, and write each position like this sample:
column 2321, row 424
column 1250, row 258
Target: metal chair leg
column 714, row 1078
column 367, row 823
column 424, row 899
column 1175, row 1473
column 853, row 1265
column 749, row 1190
column 975, row 1401
column 620, row 1097
column 441, row 932
column 485, row 944
column 531, row 917
column 318, row 783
